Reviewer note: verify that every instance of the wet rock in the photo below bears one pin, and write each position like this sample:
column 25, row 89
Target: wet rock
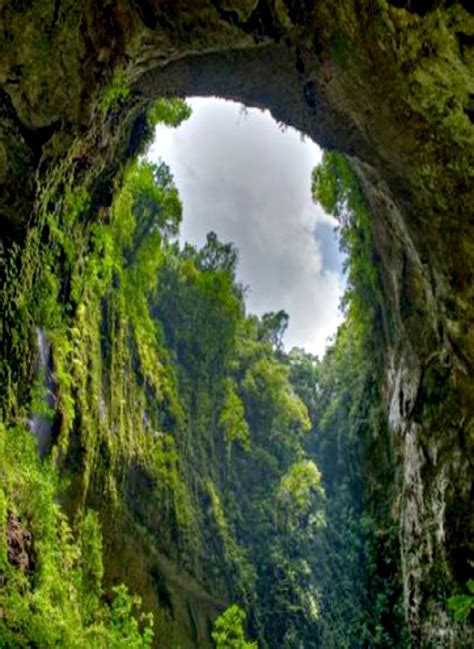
column 19, row 545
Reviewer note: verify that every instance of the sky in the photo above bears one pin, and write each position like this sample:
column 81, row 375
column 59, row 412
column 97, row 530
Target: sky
column 248, row 179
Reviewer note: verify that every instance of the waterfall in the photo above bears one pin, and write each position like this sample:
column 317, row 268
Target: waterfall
column 41, row 420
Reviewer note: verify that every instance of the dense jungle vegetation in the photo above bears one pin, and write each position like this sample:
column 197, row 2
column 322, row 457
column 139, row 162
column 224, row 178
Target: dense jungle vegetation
column 180, row 432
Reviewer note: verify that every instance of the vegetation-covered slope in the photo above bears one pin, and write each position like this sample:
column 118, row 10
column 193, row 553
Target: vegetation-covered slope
column 171, row 422
column 183, row 447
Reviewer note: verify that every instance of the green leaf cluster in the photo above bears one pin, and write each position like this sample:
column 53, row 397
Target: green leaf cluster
column 462, row 605
column 171, row 111
column 116, row 92
column 51, row 576
column 229, row 630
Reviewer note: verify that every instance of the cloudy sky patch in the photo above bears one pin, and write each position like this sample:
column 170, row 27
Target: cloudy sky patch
column 249, row 180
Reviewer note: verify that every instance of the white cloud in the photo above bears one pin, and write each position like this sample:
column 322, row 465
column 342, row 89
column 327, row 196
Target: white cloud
column 251, row 183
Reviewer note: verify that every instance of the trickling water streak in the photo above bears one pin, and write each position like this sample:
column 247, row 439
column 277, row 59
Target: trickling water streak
column 41, row 422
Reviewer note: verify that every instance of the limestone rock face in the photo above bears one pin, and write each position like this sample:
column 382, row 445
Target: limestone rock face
column 391, row 84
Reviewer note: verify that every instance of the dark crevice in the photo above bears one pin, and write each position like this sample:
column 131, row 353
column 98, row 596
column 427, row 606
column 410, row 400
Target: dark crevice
column 299, row 10
column 146, row 12
column 37, row 138
column 466, row 42
column 262, row 22
column 468, row 5
column 470, row 114
column 300, row 67
column 162, row 592
column 194, row 631
column 34, row 138
column 469, row 109
column 401, row 400
column 102, row 192
column 309, row 91
column 139, row 133
column 420, row 7
column 227, row 15
column 57, row 5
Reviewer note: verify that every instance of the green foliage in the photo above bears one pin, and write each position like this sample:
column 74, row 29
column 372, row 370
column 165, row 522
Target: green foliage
column 217, row 256
column 92, row 570
column 51, row 591
column 180, row 417
column 124, row 628
column 229, row 631
column 336, row 188
column 235, row 387
column 87, row 287
column 197, row 298
column 232, row 418
column 357, row 566
column 301, row 480
column 356, row 554
column 116, row 92
column 299, row 506
column 169, row 111
column 273, row 327
column 266, row 384
column 462, row 605
column 149, row 207
column 39, row 395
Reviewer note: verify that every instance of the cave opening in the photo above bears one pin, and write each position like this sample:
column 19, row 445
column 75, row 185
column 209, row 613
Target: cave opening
column 248, row 179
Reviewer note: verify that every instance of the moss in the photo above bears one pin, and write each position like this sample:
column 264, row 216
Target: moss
column 116, row 93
